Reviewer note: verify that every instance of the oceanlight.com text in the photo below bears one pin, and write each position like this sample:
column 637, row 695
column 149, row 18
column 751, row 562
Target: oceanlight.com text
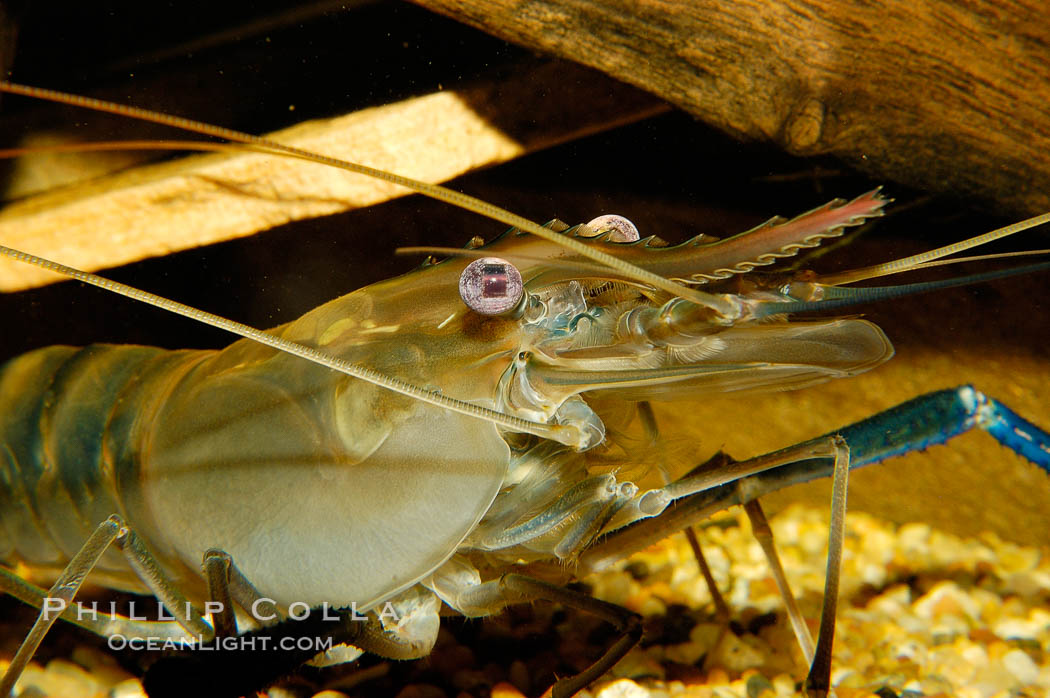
column 238, row 643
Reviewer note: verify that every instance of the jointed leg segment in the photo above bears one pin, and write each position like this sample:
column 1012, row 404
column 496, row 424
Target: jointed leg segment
column 912, row 426
column 111, row 531
column 915, row 425
column 225, row 582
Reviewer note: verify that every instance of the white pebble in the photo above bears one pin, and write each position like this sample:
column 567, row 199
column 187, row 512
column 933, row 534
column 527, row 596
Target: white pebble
column 1018, row 663
column 623, row 688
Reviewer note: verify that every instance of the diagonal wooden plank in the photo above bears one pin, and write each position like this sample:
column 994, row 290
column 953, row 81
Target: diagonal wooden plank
column 948, row 97
column 157, row 209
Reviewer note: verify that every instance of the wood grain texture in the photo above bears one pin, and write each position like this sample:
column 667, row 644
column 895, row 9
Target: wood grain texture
column 948, row 97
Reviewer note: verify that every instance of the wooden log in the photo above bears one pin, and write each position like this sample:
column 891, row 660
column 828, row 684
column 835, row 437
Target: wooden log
column 947, row 97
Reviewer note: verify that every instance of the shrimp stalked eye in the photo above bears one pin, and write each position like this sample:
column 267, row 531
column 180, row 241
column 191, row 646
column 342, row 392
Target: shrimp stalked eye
column 491, row 286
column 621, row 229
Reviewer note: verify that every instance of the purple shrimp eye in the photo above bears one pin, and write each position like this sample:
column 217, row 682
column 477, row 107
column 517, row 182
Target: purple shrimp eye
column 622, row 229
column 491, row 286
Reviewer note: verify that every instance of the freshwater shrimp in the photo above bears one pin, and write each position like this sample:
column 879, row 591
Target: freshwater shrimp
column 815, row 432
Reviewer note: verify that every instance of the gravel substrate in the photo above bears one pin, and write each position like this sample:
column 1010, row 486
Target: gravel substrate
column 921, row 613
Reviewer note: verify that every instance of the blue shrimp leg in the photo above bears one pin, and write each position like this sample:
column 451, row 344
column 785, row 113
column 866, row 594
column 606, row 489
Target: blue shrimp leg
column 915, row 425
column 928, row 420
column 934, row 418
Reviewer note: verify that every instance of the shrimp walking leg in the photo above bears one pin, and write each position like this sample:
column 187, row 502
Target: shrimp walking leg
column 490, row 596
column 228, row 585
column 818, row 682
column 102, row 624
column 764, row 535
column 652, row 433
column 722, row 613
column 721, row 607
column 112, row 531
column 216, row 569
column 60, row 595
column 819, row 657
column 456, row 583
column 915, row 425
column 627, row 622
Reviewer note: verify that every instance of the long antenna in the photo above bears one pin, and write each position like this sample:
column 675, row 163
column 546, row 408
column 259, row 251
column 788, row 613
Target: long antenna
column 565, row 434
column 721, row 305
column 916, row 261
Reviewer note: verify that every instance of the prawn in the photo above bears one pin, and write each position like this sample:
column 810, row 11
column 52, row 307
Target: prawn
column 548, row 299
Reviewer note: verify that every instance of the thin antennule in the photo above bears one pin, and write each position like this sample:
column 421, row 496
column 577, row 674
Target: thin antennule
column 963, row 260
column 564, row 434
column 721, row 305
column 981, row 258
column 916, row 261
